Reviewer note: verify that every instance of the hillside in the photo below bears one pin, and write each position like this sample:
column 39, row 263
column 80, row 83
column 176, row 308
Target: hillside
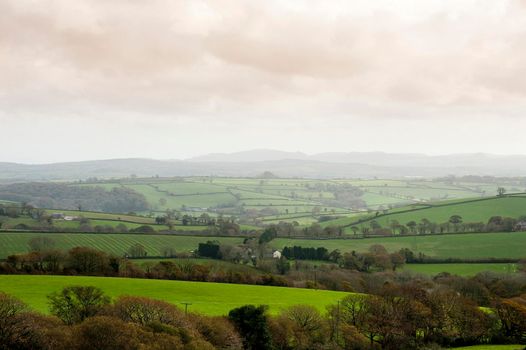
column 472, row 210
column 465, row 245
column 284, row 164
column 205, row 297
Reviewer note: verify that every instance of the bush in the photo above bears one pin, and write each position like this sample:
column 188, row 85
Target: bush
column 76, row 303
column 144, row 311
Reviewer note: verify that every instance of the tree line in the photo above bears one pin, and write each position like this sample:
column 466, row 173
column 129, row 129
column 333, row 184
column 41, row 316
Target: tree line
column 455, row 224
column 63, row 196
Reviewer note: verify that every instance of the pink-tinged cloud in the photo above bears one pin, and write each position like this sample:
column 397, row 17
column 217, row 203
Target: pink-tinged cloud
column 324, row 66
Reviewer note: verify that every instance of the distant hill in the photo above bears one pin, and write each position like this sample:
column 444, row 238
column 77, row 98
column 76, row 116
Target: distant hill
column 249, row 156
column 286, row 164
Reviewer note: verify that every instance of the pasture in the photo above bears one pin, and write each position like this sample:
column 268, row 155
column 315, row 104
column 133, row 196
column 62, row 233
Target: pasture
column 474, row 211
column 471, row 210
column 466, row 246
column 207, row 298
column 286, row 196
column 461, row 269
column 493, row 347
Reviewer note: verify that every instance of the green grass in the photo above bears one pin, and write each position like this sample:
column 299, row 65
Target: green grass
column 185, row 188
column 104, row 216
column 300, row 195
column 154, row 197
column 206, row 298
column 471, row 210
column 460, row 269
column 468, row 246
column 13, row 243
column 475, row 211
column 493, row 347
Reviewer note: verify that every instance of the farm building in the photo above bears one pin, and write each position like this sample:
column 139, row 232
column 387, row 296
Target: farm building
column 276, row 254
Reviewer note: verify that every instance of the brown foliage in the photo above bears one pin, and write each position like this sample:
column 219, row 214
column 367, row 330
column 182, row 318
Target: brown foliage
column 143, row 311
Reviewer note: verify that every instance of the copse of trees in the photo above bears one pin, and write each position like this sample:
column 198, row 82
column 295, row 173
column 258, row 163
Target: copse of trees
column 209, row 249
column 63, row 196
column 288, row 229
column 301, row 253
column 377, row 259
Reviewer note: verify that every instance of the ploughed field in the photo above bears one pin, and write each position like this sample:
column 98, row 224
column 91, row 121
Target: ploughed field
column 205, row 297
column 118, row 244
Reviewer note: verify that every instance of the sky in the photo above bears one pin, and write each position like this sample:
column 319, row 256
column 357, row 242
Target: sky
column 160, row 79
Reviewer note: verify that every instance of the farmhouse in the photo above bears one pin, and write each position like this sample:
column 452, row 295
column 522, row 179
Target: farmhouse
column 520, row 226
column 276, row 254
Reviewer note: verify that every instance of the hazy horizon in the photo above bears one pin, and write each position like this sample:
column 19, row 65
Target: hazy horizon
column 300, row 155
column 91, row 80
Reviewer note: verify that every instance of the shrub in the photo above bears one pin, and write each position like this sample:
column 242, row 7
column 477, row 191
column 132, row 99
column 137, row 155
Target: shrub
column 76, row 303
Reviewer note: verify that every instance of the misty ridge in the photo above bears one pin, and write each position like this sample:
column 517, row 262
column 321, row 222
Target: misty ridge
column 283, row 164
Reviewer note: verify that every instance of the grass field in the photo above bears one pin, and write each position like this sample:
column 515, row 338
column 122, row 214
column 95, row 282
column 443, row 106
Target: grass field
column 285, row 194
column 105, row 216
column 13, row 243
column 493, row 347
column 471, row 210
column 460, row 269
column 469, row 246
column 206, row 298
column 262, row 200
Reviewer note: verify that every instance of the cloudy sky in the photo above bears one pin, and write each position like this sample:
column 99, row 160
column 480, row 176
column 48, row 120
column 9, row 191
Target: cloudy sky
column 90, row 79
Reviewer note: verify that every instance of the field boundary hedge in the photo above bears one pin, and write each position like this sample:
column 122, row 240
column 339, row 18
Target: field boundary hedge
column 429, row 206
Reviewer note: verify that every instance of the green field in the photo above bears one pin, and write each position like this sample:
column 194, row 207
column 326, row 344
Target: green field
column 493, row 347
column 105, row 216
column 476, row 211
column 13, row 243
column 468, row 246
column 290, row 195
column 471, row 210
column 207, row 298
column 460, row 269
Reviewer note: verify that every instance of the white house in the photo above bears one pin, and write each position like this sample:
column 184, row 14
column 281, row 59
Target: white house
column 276, row 254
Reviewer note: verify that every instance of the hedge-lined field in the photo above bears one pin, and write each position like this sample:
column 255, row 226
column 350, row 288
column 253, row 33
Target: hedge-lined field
column 466, row 246
column 471, row 210
column 513, row 206
column 207, row 298
column 13, row 243
column 493, row 347
column 460, row 269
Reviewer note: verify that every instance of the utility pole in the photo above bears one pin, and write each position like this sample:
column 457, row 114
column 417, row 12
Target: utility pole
column 337, row 322
column 315, row 279
column 186, row 307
